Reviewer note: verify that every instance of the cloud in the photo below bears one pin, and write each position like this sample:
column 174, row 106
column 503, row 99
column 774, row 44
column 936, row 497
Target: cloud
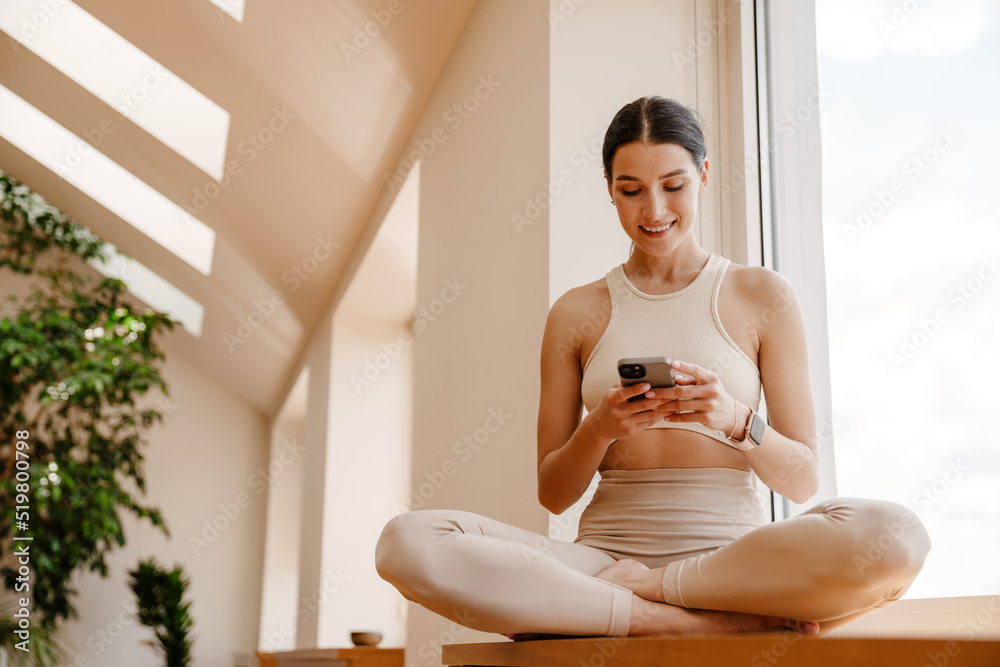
column 859, row 31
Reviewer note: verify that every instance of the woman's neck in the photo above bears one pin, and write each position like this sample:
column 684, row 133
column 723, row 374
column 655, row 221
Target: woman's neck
column 666, row 271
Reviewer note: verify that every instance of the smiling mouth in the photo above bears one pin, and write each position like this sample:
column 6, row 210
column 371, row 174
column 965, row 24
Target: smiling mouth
column 656, row 230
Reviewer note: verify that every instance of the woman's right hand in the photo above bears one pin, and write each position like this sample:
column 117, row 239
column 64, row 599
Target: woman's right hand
column 616, row 417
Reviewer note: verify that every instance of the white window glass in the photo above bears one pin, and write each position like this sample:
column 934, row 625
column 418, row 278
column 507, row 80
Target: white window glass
column 153, row 289
column 107, row 182
column 912, row 249
column 125, row 78
column 232, row 7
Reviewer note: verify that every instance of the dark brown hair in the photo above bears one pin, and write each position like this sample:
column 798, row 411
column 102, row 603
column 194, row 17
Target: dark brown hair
column 654, row 120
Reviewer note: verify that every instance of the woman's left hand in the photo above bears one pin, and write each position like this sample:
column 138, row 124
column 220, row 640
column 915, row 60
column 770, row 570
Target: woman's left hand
column 699, row 397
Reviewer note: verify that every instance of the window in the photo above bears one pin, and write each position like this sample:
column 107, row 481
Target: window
column 912, row 245
column 107, row 182
column 122, row 193
column 113, row 69
column 232, row 7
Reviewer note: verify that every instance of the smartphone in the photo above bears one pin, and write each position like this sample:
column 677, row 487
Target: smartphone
column 654, row 370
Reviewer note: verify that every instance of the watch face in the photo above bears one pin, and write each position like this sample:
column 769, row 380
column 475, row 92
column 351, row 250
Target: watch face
column 757, row 429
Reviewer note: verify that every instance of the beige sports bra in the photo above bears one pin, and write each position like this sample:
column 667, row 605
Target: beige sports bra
column 683, row 325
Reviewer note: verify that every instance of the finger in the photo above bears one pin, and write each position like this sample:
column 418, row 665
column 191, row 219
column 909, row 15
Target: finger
column 689, row 405
column 686, row 418
column 643, row 405
column 679, row 392
column 671, row 408
column 649, row 401
column 641, row 419
column 684, row 379
column 693, row 370
column 682, row 408
column 663, row 393
column 666, row 414
column 635, row 392
column 646, row 417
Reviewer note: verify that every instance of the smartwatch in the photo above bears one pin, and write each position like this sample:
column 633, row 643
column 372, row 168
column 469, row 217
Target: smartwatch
column 754, row 433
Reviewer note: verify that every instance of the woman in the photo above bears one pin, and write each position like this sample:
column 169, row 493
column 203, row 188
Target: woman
column 675, row 539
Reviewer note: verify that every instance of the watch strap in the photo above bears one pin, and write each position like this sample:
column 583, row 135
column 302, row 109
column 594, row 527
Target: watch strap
column 753, row 433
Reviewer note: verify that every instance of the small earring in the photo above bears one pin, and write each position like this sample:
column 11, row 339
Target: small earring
column 612, row 201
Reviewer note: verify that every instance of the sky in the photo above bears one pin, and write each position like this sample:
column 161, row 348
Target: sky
column 912, row 251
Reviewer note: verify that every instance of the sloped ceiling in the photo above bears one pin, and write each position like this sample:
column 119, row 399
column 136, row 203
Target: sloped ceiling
column 347, row 115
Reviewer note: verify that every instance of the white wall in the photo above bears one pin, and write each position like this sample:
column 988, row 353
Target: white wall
column 208, row 451
column 371, row 426
column 588, row 89
column 305, row 628
column 481, row 351
column 353, row 406
column 368, row 470
column 280, row 581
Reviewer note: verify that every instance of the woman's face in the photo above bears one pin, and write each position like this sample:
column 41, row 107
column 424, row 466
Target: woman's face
column 656, row 189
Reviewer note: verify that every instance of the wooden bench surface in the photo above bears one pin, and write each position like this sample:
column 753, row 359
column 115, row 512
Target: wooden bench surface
column 756, row 650
column 361, row 656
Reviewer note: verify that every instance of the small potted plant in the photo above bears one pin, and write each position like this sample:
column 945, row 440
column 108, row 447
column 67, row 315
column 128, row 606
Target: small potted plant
column 160, row 605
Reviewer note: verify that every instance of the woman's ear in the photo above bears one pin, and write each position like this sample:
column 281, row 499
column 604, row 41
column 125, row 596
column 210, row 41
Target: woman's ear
column 704, row 177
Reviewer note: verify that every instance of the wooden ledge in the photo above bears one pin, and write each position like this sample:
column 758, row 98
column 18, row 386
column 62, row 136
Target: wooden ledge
column 754, row 650
column 361, row 656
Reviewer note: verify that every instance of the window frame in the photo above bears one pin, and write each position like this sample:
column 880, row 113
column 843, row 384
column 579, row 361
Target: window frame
column 774, row 138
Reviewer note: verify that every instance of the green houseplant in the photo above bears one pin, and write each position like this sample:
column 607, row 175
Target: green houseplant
column 159, row 596
column 45, row 648
column 75, row 359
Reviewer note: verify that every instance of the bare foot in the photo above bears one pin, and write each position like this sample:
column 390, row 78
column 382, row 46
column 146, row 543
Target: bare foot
column 636, row 577
column 651, row 616
column 658, row 618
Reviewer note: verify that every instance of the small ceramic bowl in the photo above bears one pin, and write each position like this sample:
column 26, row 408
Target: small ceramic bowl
column 366, row 638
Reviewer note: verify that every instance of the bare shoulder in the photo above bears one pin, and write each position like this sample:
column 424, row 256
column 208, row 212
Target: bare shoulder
column 761, row 288
column 577, row 301
column 578, row 315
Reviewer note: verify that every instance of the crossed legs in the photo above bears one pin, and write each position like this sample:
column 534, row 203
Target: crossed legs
column 840, row 560
column 499, row 578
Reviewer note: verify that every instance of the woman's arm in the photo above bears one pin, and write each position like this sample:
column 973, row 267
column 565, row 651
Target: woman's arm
column 786, row 460
column 570, row 451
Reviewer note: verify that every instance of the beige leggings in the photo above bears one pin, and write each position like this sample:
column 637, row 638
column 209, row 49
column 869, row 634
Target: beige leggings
column 838, row 561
